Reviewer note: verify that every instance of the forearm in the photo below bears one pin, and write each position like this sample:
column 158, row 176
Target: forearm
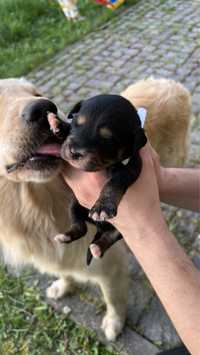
column 172, row 275
column 180, row 187
column 140, row 221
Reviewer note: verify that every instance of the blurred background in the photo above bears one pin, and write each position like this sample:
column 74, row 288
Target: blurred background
column 32, row 31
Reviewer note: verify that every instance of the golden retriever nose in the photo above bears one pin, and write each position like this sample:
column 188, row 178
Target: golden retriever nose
column 38, row 110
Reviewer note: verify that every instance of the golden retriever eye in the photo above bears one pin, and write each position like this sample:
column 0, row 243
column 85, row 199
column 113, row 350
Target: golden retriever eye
column 105, row 132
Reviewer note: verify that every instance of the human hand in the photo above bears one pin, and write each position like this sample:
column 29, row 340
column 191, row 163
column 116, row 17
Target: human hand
column 85, row 185
column 160, row 171
column 140, row 201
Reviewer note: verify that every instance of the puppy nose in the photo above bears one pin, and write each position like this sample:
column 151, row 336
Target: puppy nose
column 75, row 155
column 38, row 110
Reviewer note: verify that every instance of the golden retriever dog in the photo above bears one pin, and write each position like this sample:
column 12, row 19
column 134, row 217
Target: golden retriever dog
column 168, row 105
column 34, row 198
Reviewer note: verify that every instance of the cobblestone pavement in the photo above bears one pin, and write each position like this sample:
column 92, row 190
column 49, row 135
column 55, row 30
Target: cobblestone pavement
column 156, row 37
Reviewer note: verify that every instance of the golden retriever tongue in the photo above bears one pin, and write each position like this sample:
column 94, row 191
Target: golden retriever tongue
column 50, row 149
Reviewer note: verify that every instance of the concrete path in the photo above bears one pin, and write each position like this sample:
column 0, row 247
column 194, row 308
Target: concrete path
column 156, row 37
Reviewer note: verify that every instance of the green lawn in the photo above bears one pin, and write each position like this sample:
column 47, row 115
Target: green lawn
column 28, row 326
column 33, row 30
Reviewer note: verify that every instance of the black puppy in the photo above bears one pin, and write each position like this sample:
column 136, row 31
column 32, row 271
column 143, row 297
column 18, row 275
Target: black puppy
column 105, row 133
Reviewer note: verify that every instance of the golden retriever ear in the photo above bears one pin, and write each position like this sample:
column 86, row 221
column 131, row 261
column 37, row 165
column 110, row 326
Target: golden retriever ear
column 29, row 87
column 13, row 83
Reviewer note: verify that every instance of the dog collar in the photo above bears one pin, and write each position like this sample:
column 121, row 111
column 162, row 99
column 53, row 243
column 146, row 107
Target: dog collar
column 142, row 113
column 126, row 161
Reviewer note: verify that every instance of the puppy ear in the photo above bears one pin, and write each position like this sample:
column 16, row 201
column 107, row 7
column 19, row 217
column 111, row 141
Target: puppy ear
column 140, row 140
column 74, row 110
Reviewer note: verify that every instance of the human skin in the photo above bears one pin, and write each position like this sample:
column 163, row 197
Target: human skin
column 177, row 186
column 140, row 221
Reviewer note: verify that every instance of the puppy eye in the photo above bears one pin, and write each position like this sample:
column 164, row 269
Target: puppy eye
column 105, row 132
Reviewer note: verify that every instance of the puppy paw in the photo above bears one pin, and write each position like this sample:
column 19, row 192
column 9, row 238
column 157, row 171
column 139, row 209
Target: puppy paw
column 59, row 288
column 76, row 231
column 95, row 251
column 112, row 326
column 102, row 211
column 63, row 238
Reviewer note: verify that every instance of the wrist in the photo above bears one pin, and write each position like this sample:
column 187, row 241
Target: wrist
column 140, row 225
column 144, row 236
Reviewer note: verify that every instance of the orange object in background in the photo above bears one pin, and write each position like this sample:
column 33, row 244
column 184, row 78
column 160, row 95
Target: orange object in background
column 71, row 12
column 111, row 4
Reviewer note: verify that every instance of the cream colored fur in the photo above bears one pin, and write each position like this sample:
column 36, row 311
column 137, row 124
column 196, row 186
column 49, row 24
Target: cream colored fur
column 169, row 108
column 33, row 207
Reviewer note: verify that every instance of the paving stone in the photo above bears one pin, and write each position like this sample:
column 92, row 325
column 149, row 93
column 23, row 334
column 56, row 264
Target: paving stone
column 148, row 38
column 156, row 326
column 140, row 296
column 196, row 244
column 86, row 309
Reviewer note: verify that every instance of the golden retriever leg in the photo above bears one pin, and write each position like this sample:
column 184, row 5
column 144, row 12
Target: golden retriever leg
column 60, row 288
column 116, row 303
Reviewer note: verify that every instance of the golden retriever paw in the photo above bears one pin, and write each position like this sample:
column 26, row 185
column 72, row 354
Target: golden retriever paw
column 112, row 326
column 60, row 288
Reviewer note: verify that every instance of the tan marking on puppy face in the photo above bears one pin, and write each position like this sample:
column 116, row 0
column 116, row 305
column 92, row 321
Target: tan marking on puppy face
column 105, row 132
column 81, row 120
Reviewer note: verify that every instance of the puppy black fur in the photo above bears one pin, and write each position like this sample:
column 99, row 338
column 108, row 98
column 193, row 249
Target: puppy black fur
column 105, row 131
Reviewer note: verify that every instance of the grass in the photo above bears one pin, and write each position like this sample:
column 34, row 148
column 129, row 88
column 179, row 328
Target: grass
column 28, row 326
column 32, row 31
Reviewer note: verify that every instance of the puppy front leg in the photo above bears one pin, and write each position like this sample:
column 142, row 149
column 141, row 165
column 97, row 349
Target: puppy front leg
column 78, row 229
column 101, row 243
column 106, row 205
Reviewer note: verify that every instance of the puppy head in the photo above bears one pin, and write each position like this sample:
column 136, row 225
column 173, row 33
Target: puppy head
column 29, row 151
column 105, row 129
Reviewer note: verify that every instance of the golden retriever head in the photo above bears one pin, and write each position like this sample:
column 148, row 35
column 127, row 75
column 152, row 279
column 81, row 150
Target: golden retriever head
column 28, row 149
